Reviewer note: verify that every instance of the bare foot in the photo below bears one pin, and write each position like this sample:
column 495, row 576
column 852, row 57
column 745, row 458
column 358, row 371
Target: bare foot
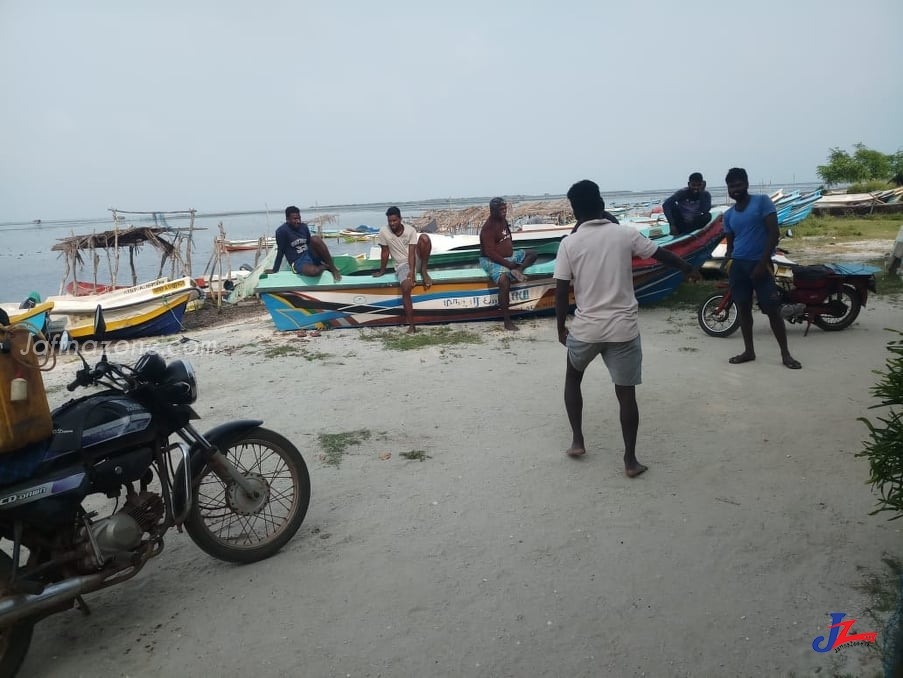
column 427, row 281
column 518, row 274
column 510, row 326
column 412, row 329
column 335, row 274
column 575, row 450
column 635, row 469
column 742, row 358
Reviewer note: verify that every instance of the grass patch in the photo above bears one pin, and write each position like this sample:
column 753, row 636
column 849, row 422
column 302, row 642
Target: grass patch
column 883, row 590
column 416, row 455
column 399, row 340
column 286, row 350
column 335, row 444
column 875, row 227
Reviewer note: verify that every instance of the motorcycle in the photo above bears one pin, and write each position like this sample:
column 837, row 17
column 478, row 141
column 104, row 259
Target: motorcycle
column 829, row 296
column 240, row 491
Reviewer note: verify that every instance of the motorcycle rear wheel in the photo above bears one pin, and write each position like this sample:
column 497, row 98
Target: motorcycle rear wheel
column 231, row 525
column 850, row 298
column 717, row 323
column 15, row 639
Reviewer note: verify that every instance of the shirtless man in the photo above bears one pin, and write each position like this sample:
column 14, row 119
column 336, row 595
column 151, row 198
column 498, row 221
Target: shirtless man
column 499, row 259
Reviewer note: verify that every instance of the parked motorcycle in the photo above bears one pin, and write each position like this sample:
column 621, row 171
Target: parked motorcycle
column 239, row 490
column 829, row 296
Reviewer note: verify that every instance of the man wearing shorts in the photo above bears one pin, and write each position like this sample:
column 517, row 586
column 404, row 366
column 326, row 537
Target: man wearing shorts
column 306, row 254
column 598, row 260
column 408, row 250
column 751, row 227
column 497, row 256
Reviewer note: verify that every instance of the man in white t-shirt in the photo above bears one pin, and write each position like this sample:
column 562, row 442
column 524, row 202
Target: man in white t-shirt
column 408, row 250
column 597, row 259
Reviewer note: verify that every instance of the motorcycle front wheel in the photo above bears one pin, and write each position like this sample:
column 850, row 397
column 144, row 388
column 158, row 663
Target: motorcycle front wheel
column 231, row 524
column 15, row 639
column 717, row 323
column 848, row 299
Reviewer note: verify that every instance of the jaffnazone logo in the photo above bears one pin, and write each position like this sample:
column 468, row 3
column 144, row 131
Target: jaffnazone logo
column 191, row 347
column 840, row 635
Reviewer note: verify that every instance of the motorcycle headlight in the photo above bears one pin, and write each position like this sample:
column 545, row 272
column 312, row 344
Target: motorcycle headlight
column 179, row 383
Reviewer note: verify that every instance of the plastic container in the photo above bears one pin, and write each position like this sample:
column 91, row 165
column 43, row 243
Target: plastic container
column 22, row 420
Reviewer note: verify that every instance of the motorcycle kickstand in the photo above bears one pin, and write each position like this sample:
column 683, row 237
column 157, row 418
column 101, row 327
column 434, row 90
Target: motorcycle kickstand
column 82, row 606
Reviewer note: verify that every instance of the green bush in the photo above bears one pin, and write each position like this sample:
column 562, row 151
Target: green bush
column 884, row 449
column 873, row 186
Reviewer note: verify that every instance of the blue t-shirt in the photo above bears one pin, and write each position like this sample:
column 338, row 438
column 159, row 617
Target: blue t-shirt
column 292, row 243
column 748, row 227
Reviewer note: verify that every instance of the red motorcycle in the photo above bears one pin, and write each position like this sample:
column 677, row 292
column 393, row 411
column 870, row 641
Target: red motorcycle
column 827, row 295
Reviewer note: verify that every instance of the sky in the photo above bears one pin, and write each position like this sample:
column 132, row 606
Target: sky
column 220, row 106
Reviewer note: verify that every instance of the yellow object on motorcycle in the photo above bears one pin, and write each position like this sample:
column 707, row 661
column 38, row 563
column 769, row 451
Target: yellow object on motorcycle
column 24, row 411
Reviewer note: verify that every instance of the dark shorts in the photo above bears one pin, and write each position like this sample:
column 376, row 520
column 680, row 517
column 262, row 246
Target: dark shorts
column 306, row 258
column 743, row 285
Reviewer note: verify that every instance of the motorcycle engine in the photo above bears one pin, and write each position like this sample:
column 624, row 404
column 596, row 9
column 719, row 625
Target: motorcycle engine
column 122, row 531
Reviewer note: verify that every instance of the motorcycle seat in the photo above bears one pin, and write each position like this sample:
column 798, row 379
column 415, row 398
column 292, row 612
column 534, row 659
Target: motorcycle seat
column 814, row 272
column 23, row 463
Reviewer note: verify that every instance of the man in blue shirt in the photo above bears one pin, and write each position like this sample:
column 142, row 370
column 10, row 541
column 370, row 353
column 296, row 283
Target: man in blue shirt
column 751, row 229
column 690, row 208
column 305, row 254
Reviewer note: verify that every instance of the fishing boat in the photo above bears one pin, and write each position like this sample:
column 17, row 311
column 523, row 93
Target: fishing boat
column 245, row 245
column 33, row 317
column 458, row 294
column 149, row 309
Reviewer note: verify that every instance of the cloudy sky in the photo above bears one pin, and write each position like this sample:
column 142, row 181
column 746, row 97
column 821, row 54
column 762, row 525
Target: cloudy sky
column 236, row 105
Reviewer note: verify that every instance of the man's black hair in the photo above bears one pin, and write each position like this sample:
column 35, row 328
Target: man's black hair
column 393, row 211
column 736, row 174
column 586, row 200
column 696, row 176
column 291, row 209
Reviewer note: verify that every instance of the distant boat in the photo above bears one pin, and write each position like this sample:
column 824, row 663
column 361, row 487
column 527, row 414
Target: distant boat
column 150, row 309
column 461, row 293
column 246, row 245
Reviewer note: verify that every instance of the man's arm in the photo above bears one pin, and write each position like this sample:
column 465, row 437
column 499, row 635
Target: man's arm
column 412, row 260
column 281, row 246
column 562, row 304
column 774, row 235
column 669, row 204
column 383, row 260
column 705, row 202
column 668, row 258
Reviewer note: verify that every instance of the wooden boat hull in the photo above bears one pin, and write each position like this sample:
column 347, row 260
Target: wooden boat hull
column 457, row 294
column 152, row 309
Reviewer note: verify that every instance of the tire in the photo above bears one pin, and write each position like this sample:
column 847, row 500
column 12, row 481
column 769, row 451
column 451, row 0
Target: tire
column 715, row 323
column 222, row 514
column 15, row 639
column 849, row 297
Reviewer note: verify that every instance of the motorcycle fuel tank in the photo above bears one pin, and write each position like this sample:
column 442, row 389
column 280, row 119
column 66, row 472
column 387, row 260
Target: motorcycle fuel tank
column 100, row 424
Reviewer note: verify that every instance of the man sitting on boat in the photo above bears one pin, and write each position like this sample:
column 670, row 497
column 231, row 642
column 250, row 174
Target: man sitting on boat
column 409, row 250
column 689, row 208
column 499, row 259
column 306, row 254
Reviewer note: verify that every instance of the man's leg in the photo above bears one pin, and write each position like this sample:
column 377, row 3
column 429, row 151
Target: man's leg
column 424, row 248
column 744, row 311
column 408, row 304
column 505, row 301
column 321, row 251
column 779, row 329
column 630, row 424
column 573, row 405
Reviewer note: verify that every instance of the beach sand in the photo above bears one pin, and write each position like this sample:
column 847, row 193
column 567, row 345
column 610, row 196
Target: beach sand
column 497, row 555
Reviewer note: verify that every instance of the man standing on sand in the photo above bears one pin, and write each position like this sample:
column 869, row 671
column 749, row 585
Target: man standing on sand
column 305, row 254
column 689, row 208
column 751, row 228
column 407, row 249
column 499, row 259
column 598, row 260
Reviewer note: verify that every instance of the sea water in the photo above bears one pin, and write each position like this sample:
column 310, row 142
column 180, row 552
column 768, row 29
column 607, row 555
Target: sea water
column 28, row 264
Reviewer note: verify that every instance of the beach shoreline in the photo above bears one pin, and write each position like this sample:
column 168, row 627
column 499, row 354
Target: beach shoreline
column 491, row 553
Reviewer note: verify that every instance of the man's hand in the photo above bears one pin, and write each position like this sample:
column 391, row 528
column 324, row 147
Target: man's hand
column 268, row 271
column 563, row 336
column 694, row 275
column 376, row 274
column 760, row 271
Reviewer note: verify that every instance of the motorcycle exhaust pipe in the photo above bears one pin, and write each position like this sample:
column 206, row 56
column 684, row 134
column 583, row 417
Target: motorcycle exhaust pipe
column 21, row 605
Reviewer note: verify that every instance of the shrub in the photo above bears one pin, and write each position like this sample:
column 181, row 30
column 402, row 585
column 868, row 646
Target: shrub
column 873, row 186
column 884, row 449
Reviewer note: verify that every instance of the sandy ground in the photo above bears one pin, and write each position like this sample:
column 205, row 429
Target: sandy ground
column 500, row 556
